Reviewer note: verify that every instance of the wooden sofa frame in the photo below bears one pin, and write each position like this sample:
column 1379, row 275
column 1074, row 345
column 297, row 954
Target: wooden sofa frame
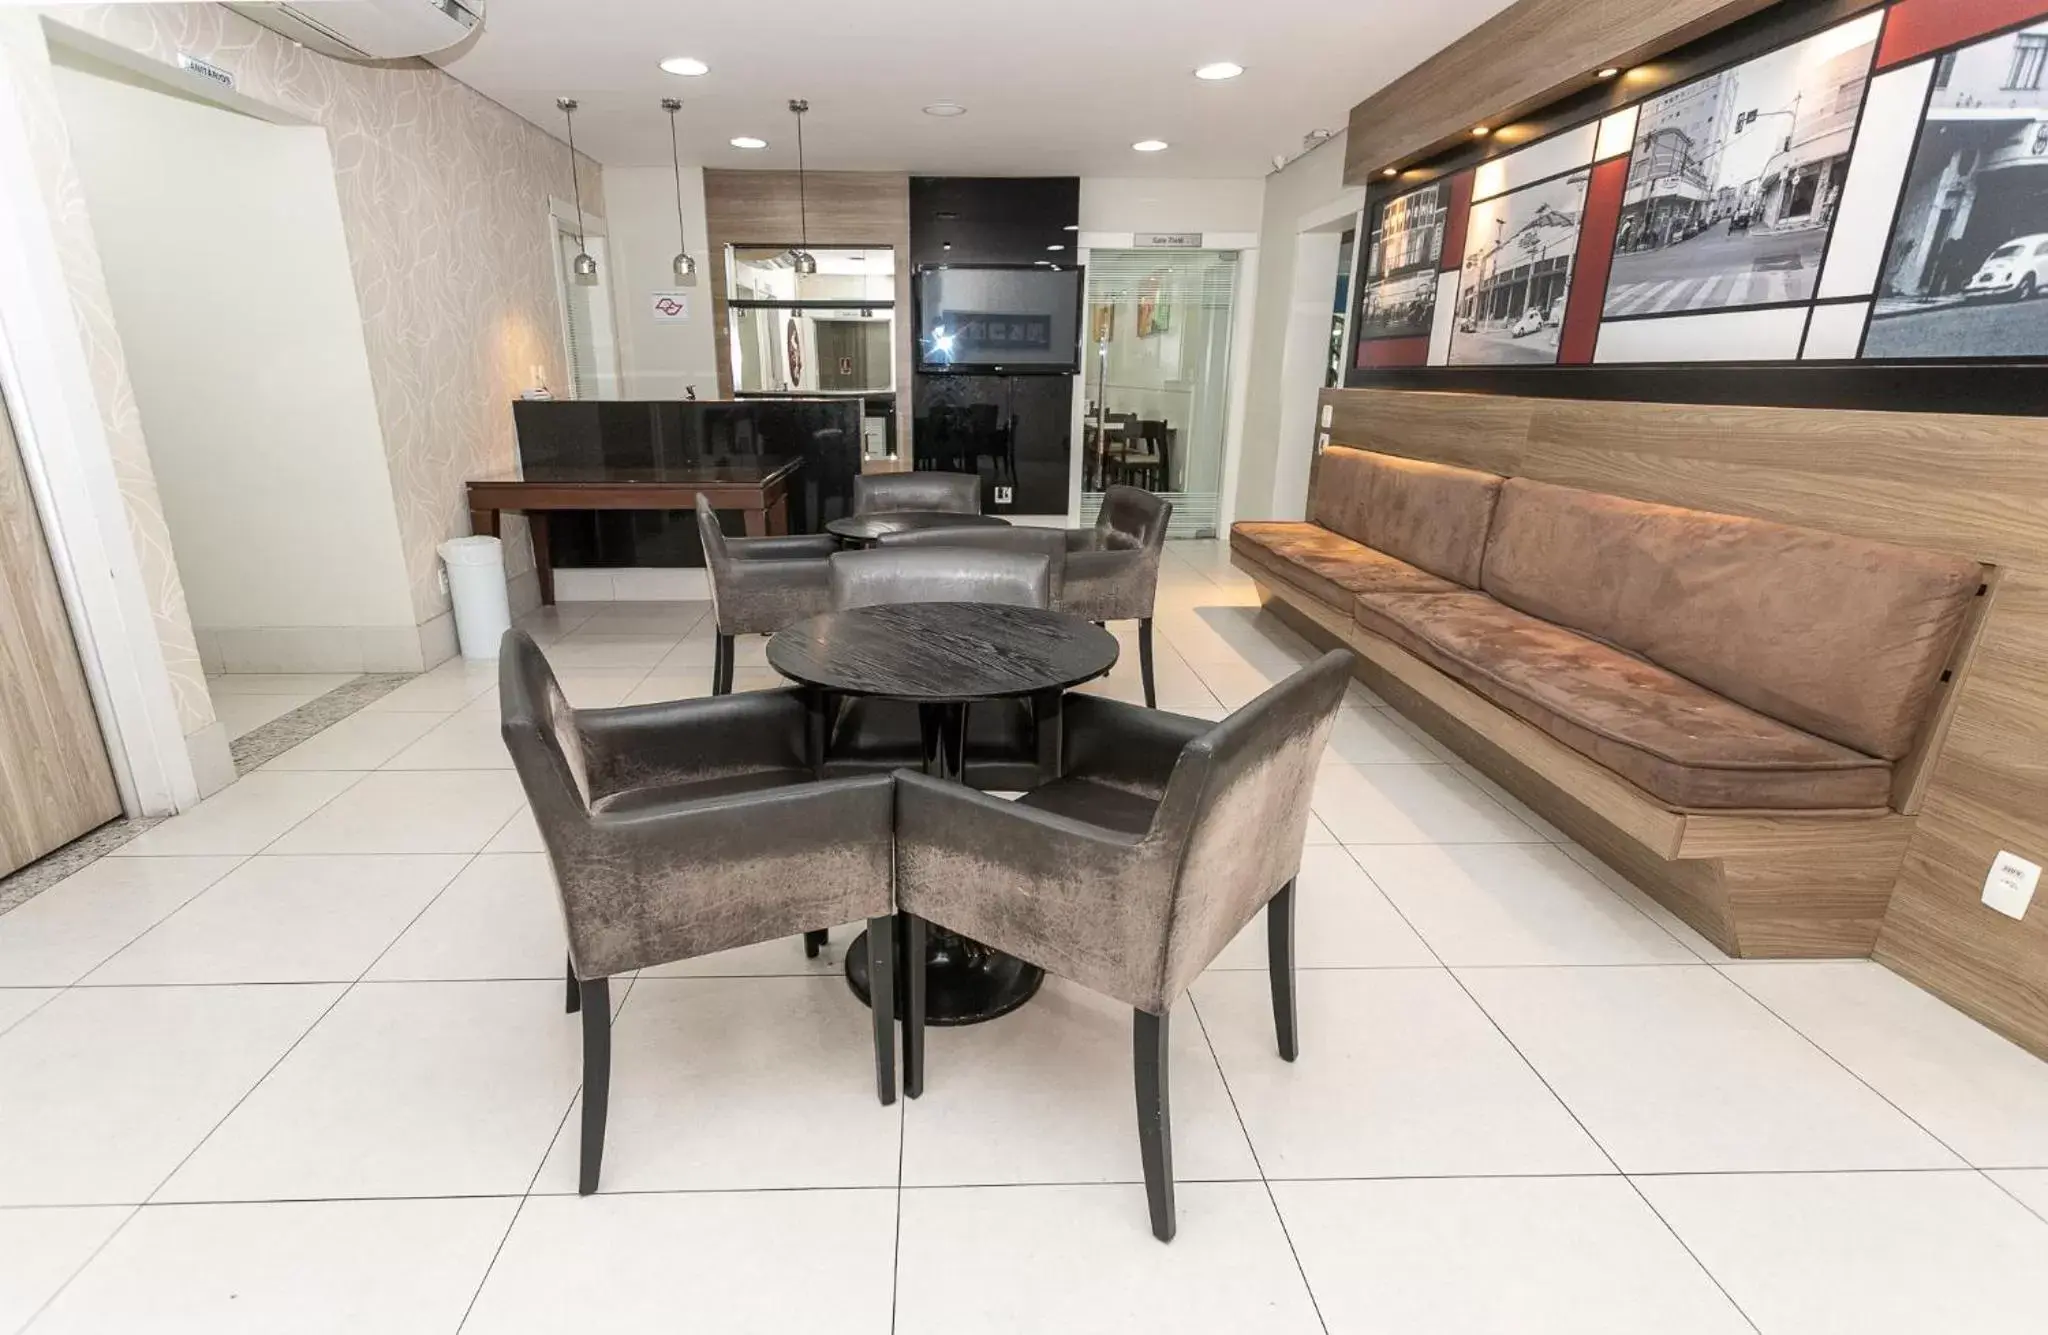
column 1759, row 885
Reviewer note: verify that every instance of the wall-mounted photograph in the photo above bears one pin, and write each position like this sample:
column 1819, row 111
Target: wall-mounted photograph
column 1519, row 251
column 1403, row 250
column 1735, row 179
column 1967, row 262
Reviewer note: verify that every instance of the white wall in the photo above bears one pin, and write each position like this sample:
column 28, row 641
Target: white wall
column 222, row 243
column 658, row 360
column 1139, row 204
column 1276, row 448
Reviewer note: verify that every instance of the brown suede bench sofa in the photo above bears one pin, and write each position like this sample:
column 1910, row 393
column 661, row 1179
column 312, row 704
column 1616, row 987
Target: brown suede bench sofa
column 1730, row 711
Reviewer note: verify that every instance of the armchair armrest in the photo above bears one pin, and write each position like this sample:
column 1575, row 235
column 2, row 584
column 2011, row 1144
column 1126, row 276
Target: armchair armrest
column 684, row 741
column 675, row 880
column 809, row 546
column 1079, row 900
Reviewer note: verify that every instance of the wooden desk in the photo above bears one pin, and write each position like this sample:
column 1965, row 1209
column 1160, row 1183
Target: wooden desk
column 758, row 488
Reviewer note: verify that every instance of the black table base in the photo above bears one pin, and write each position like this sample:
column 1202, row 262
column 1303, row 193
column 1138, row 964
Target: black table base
column 965, row 982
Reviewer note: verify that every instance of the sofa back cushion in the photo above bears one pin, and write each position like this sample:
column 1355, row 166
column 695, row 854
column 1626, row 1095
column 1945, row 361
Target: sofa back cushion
column 1432, row 516
column 1843, row 637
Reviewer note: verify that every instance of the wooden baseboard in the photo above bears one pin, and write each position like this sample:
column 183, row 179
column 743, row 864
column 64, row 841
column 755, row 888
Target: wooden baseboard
column 1757, row 885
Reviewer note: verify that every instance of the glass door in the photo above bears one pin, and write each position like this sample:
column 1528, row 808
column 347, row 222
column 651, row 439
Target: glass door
column 1157, row 378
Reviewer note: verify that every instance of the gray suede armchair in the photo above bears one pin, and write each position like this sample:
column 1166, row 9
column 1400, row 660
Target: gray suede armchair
column 1129, row 873
column 682, row 829
column 1112, row 569
column 878, row 736
column 760, row 585
column 1051, row 543
column 947, row 493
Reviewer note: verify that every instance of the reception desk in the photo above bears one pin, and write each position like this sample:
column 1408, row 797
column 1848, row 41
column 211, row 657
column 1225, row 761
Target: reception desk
column 807, row 450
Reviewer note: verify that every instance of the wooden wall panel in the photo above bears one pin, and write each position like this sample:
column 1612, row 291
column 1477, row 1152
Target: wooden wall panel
column 1974, row 486
column 845, row 209
column 1530, row 54
column 55, row 782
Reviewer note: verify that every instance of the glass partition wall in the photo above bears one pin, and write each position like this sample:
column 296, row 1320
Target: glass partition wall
column 1157, row 378
column 830, row 332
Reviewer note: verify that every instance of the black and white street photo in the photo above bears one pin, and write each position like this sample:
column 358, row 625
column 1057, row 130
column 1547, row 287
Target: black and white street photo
column 1402, row 253
column 1519, row 251
column 1967, row 264
column 1735, row 179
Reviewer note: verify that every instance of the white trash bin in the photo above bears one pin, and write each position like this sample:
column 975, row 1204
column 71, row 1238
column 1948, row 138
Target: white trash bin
column 476, row 580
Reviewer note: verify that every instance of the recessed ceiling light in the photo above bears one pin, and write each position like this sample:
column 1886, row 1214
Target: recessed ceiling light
column 1071, row 227
column 945, row 109
column 1222, row 69
column 687, row 66
column 1150, row 146
column 1055, row 247
column 1609, row 72
column 1390, row 171
column 1480, row 132
column 748, row 141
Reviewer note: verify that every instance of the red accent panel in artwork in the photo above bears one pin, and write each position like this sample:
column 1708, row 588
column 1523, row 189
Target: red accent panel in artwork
column 1595, row 258
column 1916, row 27
column 1459, row 214
column 1392, row 352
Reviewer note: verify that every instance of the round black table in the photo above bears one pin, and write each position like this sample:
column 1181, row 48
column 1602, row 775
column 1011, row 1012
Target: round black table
column 942, row 657
column 866, row 530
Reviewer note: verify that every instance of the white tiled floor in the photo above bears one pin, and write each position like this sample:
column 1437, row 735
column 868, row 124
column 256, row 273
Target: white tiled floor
column 297, row 1061
column 245, row 701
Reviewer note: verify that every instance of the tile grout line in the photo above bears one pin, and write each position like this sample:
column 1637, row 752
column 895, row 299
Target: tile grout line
column 1258, row 1163
column 546, row 1153
column 1712, row 1278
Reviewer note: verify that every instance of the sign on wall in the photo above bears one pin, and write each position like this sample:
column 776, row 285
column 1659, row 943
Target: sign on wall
column 669, row 307
column 1874, row 191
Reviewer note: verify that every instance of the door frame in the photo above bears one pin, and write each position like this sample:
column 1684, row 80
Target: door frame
column 1244, row 301
column 55, row 412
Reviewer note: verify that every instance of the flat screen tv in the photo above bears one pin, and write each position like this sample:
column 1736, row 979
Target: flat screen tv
column 1017, row 320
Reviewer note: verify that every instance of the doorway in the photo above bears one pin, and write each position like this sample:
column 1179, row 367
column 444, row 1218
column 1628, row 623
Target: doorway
column 1156, row 378
column 221, row 238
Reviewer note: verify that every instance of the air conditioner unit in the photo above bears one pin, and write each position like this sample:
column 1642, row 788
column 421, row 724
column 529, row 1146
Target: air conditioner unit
column 370, row 29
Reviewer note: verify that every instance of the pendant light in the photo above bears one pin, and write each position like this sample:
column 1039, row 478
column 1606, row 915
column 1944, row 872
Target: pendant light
column 801, row 258
column 685, row 264
column 585, row 266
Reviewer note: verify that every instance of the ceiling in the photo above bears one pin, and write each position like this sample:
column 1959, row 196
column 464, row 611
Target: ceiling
column 1051, row 87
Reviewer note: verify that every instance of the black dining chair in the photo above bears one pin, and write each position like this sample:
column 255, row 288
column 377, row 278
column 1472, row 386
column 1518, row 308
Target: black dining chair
column 678, row 830
column 1160, row 840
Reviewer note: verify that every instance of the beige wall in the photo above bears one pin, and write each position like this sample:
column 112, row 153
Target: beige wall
column 444, row 201
column 659, row 359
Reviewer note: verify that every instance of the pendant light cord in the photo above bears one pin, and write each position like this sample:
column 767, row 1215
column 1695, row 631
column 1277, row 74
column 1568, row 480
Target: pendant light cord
column 675, row 157
column 803, row 212
column 575, row 181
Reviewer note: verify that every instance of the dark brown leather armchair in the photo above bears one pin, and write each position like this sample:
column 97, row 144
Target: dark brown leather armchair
column 1130, row 872
column 682, row 829
column 760, row 585
column 948, row 493
column 1112, row 569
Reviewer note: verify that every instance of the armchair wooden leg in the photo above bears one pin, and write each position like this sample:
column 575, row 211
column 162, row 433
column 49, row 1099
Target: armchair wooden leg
column 721, row 665
column 1280, row 966
column 1145, row 661
column 882, row 1001
column 913, row 1013
column 597, row 1078
column 1155, row 1125
column 814, row 943
column 575, row 990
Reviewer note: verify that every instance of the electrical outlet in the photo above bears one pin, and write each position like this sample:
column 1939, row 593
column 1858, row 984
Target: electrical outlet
column 443, row 573
column 1004, row 495
column 2010, row 886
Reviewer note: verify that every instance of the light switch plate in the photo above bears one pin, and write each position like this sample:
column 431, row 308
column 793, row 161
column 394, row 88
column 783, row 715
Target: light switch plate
column 2010, row 886
column 1003, row 495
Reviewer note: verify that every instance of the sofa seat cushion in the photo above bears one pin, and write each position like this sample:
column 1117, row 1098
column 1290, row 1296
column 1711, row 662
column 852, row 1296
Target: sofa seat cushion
column 1843, row 637
column 1671, row 737
column 1329, row 565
